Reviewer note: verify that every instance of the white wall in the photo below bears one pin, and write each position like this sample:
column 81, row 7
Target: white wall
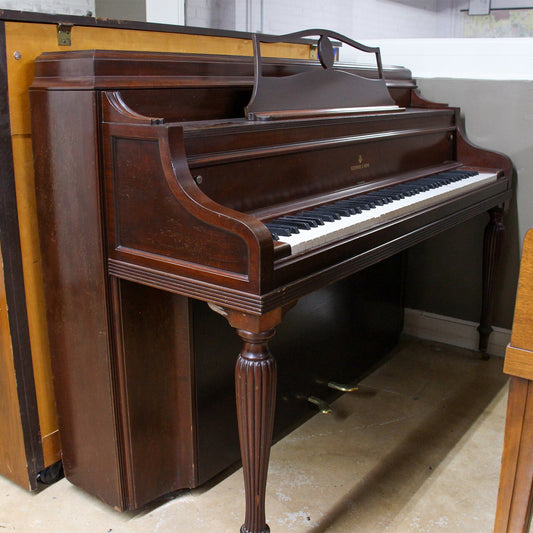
column 488, row 59
column 165, row 11
column 67, row 7
column 357, row 20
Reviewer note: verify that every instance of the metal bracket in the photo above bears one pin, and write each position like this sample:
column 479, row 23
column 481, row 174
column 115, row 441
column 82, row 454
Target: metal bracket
column 63, row 34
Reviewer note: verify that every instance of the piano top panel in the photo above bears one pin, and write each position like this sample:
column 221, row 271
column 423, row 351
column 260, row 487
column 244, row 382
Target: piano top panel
column 98, row 69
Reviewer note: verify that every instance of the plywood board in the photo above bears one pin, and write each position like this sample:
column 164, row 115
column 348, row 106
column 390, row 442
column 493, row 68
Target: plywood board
column 12, row 453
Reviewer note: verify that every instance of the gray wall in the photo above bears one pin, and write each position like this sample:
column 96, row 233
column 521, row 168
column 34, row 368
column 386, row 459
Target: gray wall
column 121, row 10
column 443, row 274
column 69, row 7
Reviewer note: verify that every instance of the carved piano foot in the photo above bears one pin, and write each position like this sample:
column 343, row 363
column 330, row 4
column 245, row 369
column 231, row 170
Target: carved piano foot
column 492, row 247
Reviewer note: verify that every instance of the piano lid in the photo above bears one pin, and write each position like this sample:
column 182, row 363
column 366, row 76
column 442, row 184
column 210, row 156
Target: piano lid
column 319, row 92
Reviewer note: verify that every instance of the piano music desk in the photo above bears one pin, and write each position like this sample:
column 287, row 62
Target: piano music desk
column 513, row 513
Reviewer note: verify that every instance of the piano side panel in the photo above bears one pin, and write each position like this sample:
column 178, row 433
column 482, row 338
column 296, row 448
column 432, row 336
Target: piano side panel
column 105, row 384
column 68, row 204
column 157, row 369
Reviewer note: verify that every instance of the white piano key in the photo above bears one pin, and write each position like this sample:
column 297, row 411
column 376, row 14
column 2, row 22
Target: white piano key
column 346, row 226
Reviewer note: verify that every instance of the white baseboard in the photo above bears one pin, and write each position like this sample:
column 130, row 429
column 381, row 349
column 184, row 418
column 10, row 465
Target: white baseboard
column 454, row 331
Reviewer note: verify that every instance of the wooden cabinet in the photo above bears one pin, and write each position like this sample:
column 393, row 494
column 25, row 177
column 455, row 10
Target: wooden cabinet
column 515, row 496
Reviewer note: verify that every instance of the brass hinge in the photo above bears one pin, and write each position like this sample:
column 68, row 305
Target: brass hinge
column 63, row 34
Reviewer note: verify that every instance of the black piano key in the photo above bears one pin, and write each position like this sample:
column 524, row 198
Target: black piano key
column 397, row 195
column 325, row 212
column 300, row 224
column 383, row 196
column 342, row 210
column 376, row 199
column 279, row 230
column 337, row 212
column 354, row 209
column 306, row 215
column 408, row 191
column 284, row 225
column 363, row 203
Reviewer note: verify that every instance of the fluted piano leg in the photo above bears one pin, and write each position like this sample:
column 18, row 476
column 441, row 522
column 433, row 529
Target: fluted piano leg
column 255, row 383
column 255, row 386
column 492, row 247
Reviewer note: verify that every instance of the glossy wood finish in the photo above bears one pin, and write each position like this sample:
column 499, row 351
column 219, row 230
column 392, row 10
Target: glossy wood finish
column 183, row 203
column 255, row 383
column 515, row 495
column 117, row 346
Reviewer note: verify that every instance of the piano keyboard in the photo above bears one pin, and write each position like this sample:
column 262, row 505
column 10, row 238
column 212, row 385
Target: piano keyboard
column 331, row 222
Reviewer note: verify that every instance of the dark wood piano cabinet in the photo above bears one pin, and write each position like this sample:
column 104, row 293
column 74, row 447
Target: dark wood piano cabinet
column 153, row 191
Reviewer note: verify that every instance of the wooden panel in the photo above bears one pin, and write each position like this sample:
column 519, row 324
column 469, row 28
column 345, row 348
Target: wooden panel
column 31, row 260
column 76, row 295
column 522, row 335
column 518, row 362
column 154, row 349
column 513, row 512
column 515, row 495
column 12, row 454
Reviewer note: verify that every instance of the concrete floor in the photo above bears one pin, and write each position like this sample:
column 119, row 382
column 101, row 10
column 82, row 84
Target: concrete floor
column 416, row 449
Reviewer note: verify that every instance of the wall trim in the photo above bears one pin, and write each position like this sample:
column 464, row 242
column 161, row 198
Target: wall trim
column 454, row 331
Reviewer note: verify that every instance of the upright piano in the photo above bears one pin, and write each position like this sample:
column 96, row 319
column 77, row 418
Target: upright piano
column 247, row 185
